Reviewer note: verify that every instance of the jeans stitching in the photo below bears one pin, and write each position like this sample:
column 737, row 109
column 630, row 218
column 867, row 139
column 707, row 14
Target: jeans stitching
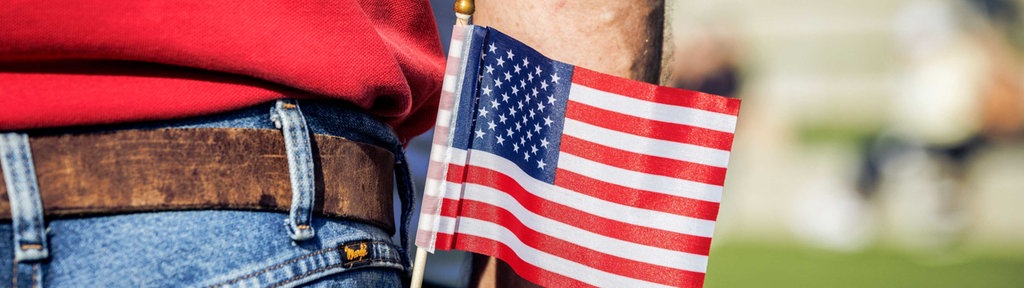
column 325, row 268
column 35, row 269
column 293, row 260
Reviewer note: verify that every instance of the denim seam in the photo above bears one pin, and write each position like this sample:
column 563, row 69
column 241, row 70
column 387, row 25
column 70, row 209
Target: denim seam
column 297, row 259
column 287, row 115
column 322, row 269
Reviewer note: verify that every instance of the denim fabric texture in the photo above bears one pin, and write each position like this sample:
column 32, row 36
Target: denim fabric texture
column 212, row 248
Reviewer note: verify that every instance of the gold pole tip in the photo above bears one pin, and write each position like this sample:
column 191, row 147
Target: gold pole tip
column 464, row 7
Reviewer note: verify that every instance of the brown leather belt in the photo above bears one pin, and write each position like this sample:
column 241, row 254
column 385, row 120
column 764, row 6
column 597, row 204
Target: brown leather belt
column 209, row 168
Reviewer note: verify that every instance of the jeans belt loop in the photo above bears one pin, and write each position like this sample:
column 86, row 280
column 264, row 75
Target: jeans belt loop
column 23, row 193
column 286, row 116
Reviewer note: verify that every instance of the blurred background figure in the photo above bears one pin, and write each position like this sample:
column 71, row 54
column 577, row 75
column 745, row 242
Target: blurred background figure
column 959, row 93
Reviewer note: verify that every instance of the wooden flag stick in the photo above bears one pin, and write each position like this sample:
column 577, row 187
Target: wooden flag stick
column 463, row 11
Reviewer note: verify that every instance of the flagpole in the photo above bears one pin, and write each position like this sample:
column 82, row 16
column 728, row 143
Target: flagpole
column 463, row 11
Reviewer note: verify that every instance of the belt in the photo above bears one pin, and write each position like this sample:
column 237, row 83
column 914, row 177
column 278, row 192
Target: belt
column 209, row 168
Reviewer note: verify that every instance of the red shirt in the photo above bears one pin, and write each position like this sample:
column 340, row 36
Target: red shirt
column 85, row 62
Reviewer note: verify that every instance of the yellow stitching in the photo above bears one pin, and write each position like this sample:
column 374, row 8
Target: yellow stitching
column 31, row 247
column 354, row 254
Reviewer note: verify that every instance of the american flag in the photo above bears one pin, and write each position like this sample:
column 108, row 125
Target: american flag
column 573, row 177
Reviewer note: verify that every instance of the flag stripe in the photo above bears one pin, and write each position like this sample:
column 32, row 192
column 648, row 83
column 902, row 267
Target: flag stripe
column 650, row 164
column 523, row 269
column 610, row 227
column 638, row 198
column 616, row 268
column 555, row 236
column 651, row 110
column 638, row 180
column 644, row 145
column 579, row 201
column 652, row 93
column 649, row 128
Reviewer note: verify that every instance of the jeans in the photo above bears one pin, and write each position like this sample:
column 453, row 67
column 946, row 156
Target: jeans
column 203, row 248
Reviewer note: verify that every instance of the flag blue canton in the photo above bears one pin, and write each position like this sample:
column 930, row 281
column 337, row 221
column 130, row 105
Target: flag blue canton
column 520, row 106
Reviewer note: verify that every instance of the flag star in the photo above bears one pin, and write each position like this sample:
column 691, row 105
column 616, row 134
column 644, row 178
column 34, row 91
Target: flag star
column 555, row 78
column 541, row 164
column 535, row 92
column 497, row 83
column 501, row 62
column 517, row 68
column 532, row 114
column 491, row 125
column 522, row 141
column 544, row 142
column 500, row 140
column 515, row 147
column 494, row 103
column 538, row 70
column 507, row 76
column 502, row 118
column 490, row 70
column 520, row 105
column 547, row 121
column 540, row 106
column 529, row 134
column 533, row 149
column 491, row 48
column 509, row 132
column 526, row 156
column 483, row 112
column 504, row 97
column 512, row 111
column 529, row 77
column 526, row 62
column 551, row 99
column 544, row 84
column 536, row 128
column 522, row 83
column 487, row 91
column 515, row 91
column 518, row 126
column 480, row 133
column 510, row 55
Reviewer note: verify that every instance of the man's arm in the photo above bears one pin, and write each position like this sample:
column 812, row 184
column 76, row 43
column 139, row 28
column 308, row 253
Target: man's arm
column 622, row 38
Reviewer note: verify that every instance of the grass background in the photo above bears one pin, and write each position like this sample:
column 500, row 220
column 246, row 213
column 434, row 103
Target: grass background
column 782, row 265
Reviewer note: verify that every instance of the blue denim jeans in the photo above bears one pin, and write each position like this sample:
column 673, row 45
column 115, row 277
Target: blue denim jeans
column 207, row 247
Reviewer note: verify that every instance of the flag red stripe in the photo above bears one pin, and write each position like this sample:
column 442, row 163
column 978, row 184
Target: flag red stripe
column 583, row 220
column 574, row 252
column 694, row 208
column 649, row 128
column 653, row 93
column 643, row 163
column 522, row 268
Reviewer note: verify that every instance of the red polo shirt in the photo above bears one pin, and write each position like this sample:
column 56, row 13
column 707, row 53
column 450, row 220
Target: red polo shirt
column 85, row 62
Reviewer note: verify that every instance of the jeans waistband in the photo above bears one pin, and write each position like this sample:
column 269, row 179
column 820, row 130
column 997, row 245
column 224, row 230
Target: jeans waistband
column 317, row 117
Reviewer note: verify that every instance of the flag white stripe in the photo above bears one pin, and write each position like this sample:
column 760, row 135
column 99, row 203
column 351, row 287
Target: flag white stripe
column 595, row 206
column 652, row 110
column 638, row 180
column 455, row 47
column 646, row 146
column 543, row 260
column 584, row 238
column 448, row 85
column 444, row 118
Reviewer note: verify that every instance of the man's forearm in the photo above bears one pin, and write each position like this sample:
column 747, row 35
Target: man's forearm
column 621, row 38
